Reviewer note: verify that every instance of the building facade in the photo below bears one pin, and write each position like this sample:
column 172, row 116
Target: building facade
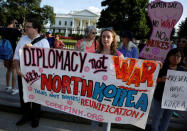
column 74, row 22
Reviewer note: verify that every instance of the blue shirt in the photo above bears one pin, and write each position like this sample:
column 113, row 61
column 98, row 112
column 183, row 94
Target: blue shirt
column 133, row 53
column 51, row 41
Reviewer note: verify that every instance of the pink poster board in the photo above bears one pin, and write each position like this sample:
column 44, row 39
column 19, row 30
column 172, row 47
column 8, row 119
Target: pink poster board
column 164, row 16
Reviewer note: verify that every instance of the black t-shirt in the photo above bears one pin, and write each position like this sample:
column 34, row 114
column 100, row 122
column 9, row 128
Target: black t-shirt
column 11, row 34
column 160, row 86
column 140, row 47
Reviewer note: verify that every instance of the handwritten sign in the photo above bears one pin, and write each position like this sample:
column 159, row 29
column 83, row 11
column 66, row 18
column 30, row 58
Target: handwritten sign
column 175, row 91
column 99, row 87
column 164, row 16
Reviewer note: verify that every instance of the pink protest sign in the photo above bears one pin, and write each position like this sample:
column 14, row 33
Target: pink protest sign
column 164, row 16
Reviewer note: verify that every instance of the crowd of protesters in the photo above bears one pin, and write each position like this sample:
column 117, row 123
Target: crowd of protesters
column 106, row 44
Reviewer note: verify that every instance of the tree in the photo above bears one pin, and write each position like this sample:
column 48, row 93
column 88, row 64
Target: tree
column 126, row 15
column 182, row 31
column 20, row 9
column 172, row 37
column 2, row 12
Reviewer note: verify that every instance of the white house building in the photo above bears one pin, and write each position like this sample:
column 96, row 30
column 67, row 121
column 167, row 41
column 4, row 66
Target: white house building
column 74, row 22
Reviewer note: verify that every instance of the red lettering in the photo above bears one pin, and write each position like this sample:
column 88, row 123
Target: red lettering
column 46, row 82
column 135, row 78
column 127, row 68
column 116, row 61
column 82, row 102
column 58, row 79
column 160, row 44
column 76, row 84
column 66, row 81
column 131, row 74
column 147, row 73
column 86, row 88
column 124, row 71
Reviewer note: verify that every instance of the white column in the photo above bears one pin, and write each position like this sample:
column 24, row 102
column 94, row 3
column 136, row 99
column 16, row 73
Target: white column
column 73, row 26
column 80, row 23
column 88, row 22
column 73, row 23
column 80, row 26
column 66, row 33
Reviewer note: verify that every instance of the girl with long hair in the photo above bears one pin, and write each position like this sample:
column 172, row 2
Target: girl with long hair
column 107, row 45
column 161, row 117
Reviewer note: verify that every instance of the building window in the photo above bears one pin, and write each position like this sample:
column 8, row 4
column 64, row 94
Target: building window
column 59, row 23
column 65, row 22
column 71, row 23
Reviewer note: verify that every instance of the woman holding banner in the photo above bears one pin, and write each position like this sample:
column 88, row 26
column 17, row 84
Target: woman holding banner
column 108, row 46
column 161, row 117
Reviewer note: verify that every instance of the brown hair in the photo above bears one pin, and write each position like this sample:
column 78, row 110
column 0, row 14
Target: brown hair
column 113, row 47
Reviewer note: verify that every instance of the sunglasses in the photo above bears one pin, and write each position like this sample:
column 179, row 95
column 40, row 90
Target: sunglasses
column 94, row 33
column 108, row 28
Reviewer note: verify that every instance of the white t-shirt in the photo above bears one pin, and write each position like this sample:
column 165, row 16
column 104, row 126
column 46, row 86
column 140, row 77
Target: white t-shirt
column 25, row 40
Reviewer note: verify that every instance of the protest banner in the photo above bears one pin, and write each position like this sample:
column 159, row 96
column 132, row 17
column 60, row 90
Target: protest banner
column 99, row 87
column 175, row 91
column 164, row 16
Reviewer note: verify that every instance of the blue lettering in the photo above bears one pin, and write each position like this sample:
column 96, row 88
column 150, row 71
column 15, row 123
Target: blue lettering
column 108, row 93
column 119, row 98
column 142, row 102
column 130, row 98
column 98, row 90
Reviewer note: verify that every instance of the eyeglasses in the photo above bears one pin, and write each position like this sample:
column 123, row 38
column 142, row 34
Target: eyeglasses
column 108, row 28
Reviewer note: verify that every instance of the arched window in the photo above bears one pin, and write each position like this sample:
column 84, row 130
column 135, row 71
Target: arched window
column 59, row 22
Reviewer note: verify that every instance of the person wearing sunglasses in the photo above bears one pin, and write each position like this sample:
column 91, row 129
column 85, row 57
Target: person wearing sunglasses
column 108, row 46
column 127, row 47
column 88, row 43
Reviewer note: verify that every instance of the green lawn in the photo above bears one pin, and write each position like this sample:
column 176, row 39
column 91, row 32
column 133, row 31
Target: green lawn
column 69, row 41
column 69, row 44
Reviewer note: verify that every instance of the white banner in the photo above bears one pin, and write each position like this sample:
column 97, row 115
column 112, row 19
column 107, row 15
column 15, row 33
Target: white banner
column 175, row 91
column 99, row 87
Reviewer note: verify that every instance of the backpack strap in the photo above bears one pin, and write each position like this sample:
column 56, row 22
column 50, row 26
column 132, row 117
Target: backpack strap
column 95, row 44
column 37, row 39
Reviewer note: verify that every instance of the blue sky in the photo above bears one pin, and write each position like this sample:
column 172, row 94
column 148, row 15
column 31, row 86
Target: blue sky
column 65, row 6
